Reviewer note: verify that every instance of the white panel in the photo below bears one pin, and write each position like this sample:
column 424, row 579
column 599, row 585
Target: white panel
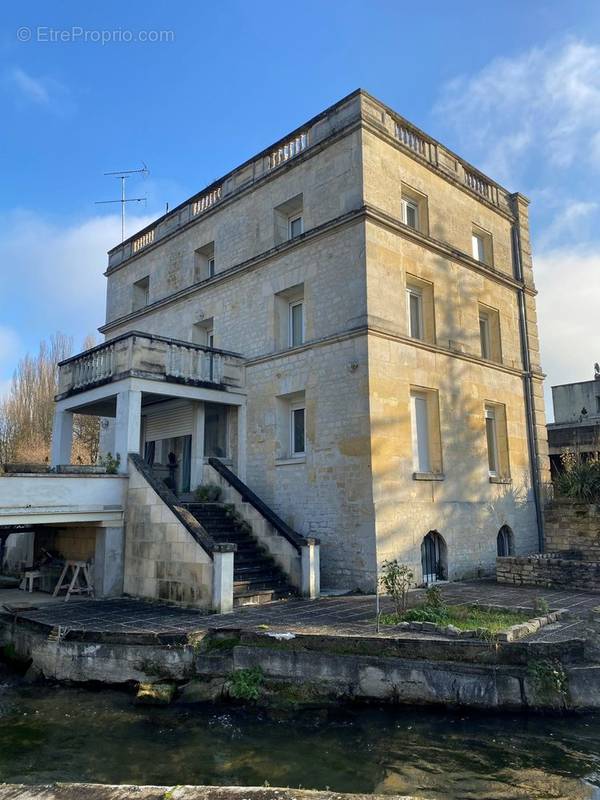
column 167, row 423
column 420, row 429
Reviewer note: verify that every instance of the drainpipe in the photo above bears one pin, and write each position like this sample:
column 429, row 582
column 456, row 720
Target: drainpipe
column 534, row 458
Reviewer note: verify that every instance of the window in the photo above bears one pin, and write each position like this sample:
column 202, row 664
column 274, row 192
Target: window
column 414, row 298
column 496, row 442
column 484, row 335
column 505, row 542
column 202, row 332
column 410, row 213
column 297, row 445
column 288, row 219
column 492, row 442
column 295, row 227
column 413, row 209
column 481, row 244
column 290, row 412
column 141, row 294
column 204, row 262
column 420, row 309
column 489, row 334
column 296, row 314
column 289, row 317
column 426, row 444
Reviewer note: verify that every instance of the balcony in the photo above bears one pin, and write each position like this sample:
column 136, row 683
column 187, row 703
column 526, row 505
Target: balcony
column 157, row 358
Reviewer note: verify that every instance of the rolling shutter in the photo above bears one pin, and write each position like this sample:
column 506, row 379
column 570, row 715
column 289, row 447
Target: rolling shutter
column 167, row 423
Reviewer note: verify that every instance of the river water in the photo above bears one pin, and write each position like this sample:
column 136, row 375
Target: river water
column 50, row 733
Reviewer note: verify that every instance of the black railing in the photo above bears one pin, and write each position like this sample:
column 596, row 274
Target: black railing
column 293, row 537
column 196, row 530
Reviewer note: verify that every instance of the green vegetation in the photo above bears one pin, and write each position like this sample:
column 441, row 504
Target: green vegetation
column 550, row 681
column 580, row 479
column 110, row 463
column 217, row 644
column 208, row 493
column 246, row 684
column 464, row 618
column 396, row 580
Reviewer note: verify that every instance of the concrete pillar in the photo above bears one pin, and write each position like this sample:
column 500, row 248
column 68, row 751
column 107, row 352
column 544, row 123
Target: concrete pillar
column 222, row 582
column 241, row 437
column 62, row 438
column 197, row 467
column 311, row 571
column 108, row 562
column 128, row 425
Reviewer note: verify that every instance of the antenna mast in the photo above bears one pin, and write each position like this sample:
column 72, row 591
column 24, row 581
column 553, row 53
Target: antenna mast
column 123, row 175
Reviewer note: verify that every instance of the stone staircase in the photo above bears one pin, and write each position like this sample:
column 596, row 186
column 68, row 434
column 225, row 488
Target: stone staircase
column 257, row 577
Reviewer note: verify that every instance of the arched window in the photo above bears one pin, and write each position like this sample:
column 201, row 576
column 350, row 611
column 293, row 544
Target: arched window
column 505, row 541
column 434, row 558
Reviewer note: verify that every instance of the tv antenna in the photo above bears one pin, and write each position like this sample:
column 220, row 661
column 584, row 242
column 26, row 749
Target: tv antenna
column 123, row 175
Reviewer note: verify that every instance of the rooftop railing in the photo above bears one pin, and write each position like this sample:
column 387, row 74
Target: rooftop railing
column 357, row 106
column 159, row 358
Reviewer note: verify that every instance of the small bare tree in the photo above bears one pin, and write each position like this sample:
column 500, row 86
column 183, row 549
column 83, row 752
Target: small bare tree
column 396, row 580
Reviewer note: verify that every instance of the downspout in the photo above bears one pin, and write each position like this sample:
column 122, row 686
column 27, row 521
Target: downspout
column 534, row 458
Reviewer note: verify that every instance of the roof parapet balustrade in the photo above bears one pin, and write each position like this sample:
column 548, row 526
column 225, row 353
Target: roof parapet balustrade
column 158, row 358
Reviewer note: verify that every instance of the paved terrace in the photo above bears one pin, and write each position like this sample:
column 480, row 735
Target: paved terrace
column 343, row 616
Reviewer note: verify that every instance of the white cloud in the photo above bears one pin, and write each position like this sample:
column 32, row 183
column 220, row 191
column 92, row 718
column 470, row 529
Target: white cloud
column 41, row 91
column 547, row 99
column 568, row 281
column 33, row 88
column 51, row 278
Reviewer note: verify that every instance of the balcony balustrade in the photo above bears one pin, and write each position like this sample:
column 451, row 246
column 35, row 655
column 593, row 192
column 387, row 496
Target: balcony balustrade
column 157, row 358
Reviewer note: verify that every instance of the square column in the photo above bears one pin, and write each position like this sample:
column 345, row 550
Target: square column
column 197, row 466
column 62, row 438
column 222, row 590
column 108, row 562
column 311, row 570
column 128, row 425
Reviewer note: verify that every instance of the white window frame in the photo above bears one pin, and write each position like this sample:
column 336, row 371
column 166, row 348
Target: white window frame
column 485, row 335
column 490, row 414
column 291, row 306
column 211, row 266
column 421, row 434
column 294, row 407
column 413, row 291
column 478, row 247
column 407, row 203
column 291, row 220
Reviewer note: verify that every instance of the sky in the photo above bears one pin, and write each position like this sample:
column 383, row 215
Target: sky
column 193, row 89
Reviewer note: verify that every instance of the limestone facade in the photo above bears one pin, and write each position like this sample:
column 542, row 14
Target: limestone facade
column 357, row 488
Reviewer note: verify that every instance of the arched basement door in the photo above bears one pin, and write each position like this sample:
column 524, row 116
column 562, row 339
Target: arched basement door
column 505, row 541
column 433, row 558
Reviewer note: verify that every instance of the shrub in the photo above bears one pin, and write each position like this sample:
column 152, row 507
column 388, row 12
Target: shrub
column 433, row 598
column 111, row 464
column 245, row 684
column 208, row 493
column 579, row 479
column 540, row 606
column 396, row 581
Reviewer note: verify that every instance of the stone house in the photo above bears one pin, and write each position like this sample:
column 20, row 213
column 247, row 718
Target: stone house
column 346, row 322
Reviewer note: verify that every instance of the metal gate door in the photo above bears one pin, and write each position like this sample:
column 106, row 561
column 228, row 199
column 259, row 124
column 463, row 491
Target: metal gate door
column 431, row 558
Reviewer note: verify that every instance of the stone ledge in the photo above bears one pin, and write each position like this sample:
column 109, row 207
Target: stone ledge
column 92, row 791
column 512, row 634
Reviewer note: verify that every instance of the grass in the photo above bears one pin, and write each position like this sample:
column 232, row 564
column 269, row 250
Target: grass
column 463, row 617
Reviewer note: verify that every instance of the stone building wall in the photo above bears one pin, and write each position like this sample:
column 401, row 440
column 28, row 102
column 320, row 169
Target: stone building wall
column 549, row 571
column 573, row 527
column 162, row 559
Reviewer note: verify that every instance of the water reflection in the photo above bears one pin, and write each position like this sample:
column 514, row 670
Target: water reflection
column 56, row 734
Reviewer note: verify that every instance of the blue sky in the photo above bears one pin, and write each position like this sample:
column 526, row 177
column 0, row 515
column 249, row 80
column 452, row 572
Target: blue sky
column 513, row 87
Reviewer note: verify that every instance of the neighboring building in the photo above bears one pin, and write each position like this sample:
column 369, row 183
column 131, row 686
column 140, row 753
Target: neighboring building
column 576, row 426
column 348, row 321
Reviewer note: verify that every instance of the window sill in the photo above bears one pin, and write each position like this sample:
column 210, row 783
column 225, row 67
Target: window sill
column 283, row 462
column 428, row 476
column 496, row 479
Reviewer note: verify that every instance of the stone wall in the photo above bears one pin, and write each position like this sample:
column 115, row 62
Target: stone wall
column 549, row 571
column 573, row 527
column 162, row 560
